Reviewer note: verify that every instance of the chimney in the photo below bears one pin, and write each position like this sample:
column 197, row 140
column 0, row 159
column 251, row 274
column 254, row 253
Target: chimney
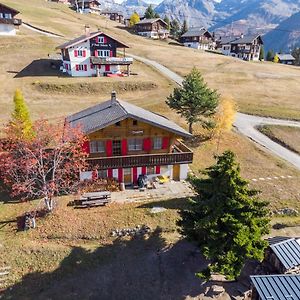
column 113, row 97
column 87, row 30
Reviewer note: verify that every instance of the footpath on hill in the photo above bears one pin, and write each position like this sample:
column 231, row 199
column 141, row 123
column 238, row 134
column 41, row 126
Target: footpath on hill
column 245, row 124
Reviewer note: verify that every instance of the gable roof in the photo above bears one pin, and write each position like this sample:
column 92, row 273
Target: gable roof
column 112, row 111
column 10, row 8
column 277, row 287
column 285, row 56
column 151, row 21
column 85, row 37
column 288, row 252
column 226, row 40
column 247, row 39
column 195, row 31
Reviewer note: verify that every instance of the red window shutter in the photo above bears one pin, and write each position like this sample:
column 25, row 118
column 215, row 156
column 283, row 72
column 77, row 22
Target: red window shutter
column 75, row 53
column 109, row 151
column 120, row 175
column 86, row 147
column 105, row 39
column 107, row 68
column 85, row 67
column 77, row 67
column 144, row 170
column 110, row 173
column 147, row 144
column 134, row 175
column 96, row 53
column 165, row 143
column 111, row 53
column 157, row 170
column 124, row 147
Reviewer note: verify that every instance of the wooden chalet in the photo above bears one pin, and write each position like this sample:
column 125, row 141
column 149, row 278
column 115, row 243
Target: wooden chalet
column 152, row 28
column 87, row 6
column 94, row 54
column 198, row 38
column 126, row 141
column 8, row 22
column 113, row 15
column 286, row 59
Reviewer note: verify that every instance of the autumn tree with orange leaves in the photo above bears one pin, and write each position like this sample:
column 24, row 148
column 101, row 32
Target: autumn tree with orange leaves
column 44, row 166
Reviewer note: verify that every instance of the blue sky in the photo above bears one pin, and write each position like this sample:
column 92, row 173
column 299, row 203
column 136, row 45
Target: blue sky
column 148, row 1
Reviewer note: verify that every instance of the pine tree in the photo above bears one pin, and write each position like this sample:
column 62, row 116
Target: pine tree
column 167, row 20
column 194, row 101
column 296, row 54
column 270, row 55
column 262, row 53
column 135, row 18
column 184, row 27
column 20, row 118
column 175, row 28
column 226, row 219
column 149, row 13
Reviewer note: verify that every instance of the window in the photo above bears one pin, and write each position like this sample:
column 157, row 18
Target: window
column 134, row 122
column 127, row 171
column 150, row 170
column 1, row 15
column 103, row 53
column 117, row 148
column 101, row 39
column 102, row 174
column 118, row 124
column 81, row 67
column 97, row 147
column 81, row 53
column 157, row 143
column 135, row 144
column 7, row 16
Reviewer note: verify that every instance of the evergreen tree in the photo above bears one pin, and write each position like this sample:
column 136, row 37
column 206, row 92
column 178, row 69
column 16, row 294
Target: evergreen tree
column 270, row 55
column 184, row 27
column 175, row 28
column 135, row 18
column 156, row 15
column 194, row 101
column 167, row 20
column 20, row 118
column 226, row 218
column 262, row 53
column 149, row 13
column 296, row 54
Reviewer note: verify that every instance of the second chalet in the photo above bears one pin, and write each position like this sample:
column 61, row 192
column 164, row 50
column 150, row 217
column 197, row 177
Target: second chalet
column 152, row 28
column 94, row 54
column 198, row 38
column 126, row 141
column 8, row 22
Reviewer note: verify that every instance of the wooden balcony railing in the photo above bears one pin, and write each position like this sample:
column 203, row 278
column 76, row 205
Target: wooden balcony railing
column 111, row 60
column 16, row 22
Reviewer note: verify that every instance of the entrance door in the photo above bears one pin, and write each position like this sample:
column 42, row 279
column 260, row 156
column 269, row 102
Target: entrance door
column 107, row 68
column 117, row 149
column 176, row 172
column 127, row 176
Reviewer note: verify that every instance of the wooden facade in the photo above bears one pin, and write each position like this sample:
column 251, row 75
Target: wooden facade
column 153, row 28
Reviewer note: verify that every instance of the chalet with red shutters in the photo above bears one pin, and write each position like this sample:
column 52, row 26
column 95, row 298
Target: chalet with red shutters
column 8, row 22
column 126, row 141
column 94, row 54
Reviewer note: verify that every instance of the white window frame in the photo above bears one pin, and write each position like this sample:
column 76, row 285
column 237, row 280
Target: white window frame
column 135, row 144
column 80, row 53
column 102, row 174
column 100, row 39
column 157, row 143
column 97, row 147
column 7, row 16
column 103, row 53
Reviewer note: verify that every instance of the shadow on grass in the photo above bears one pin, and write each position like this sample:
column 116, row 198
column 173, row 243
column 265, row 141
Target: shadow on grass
column 41, row 67
column 137, row 268
column 177, row 203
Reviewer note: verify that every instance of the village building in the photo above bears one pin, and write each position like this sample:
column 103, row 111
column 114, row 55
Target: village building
column 275, row 287
column 113, row 15
column 282, row 256
column 94, row 54
column 126, row 141
column 152, row 28
column 87, row 6
column 198, row 38
column 8, row 22
column 286, row 59
column 243, row 47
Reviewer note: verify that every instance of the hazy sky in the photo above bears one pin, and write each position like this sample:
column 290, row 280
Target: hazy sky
column 148, row 1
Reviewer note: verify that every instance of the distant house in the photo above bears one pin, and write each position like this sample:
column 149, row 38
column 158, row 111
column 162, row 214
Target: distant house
column 243, row 47
column 8, row 22
column 286, row 59
column 114, row 16
column 126, row 141
column 283, row 256
column 87, row 6
column 93, row 54
column 198, row 38
column 275, row 287
column 152, row 28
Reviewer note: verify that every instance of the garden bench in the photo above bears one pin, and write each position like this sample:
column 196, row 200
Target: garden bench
column 93, row 199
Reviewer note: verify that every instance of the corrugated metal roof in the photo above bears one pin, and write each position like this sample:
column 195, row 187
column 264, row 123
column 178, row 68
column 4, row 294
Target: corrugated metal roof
column 288, row 252
column 285, row 57
column 111, row 112
column 277, row 239
column 277, row 287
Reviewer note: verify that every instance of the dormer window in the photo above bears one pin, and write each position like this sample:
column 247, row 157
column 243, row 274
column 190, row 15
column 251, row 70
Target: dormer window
column 134, row 122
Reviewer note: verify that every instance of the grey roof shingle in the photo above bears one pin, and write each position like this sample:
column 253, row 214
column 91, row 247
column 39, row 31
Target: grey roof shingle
column 247, row 39
column 150, row 21
column 288, row 252
column 285, row 57
column 195, row 31
column 110, row 112
column 277, row 287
